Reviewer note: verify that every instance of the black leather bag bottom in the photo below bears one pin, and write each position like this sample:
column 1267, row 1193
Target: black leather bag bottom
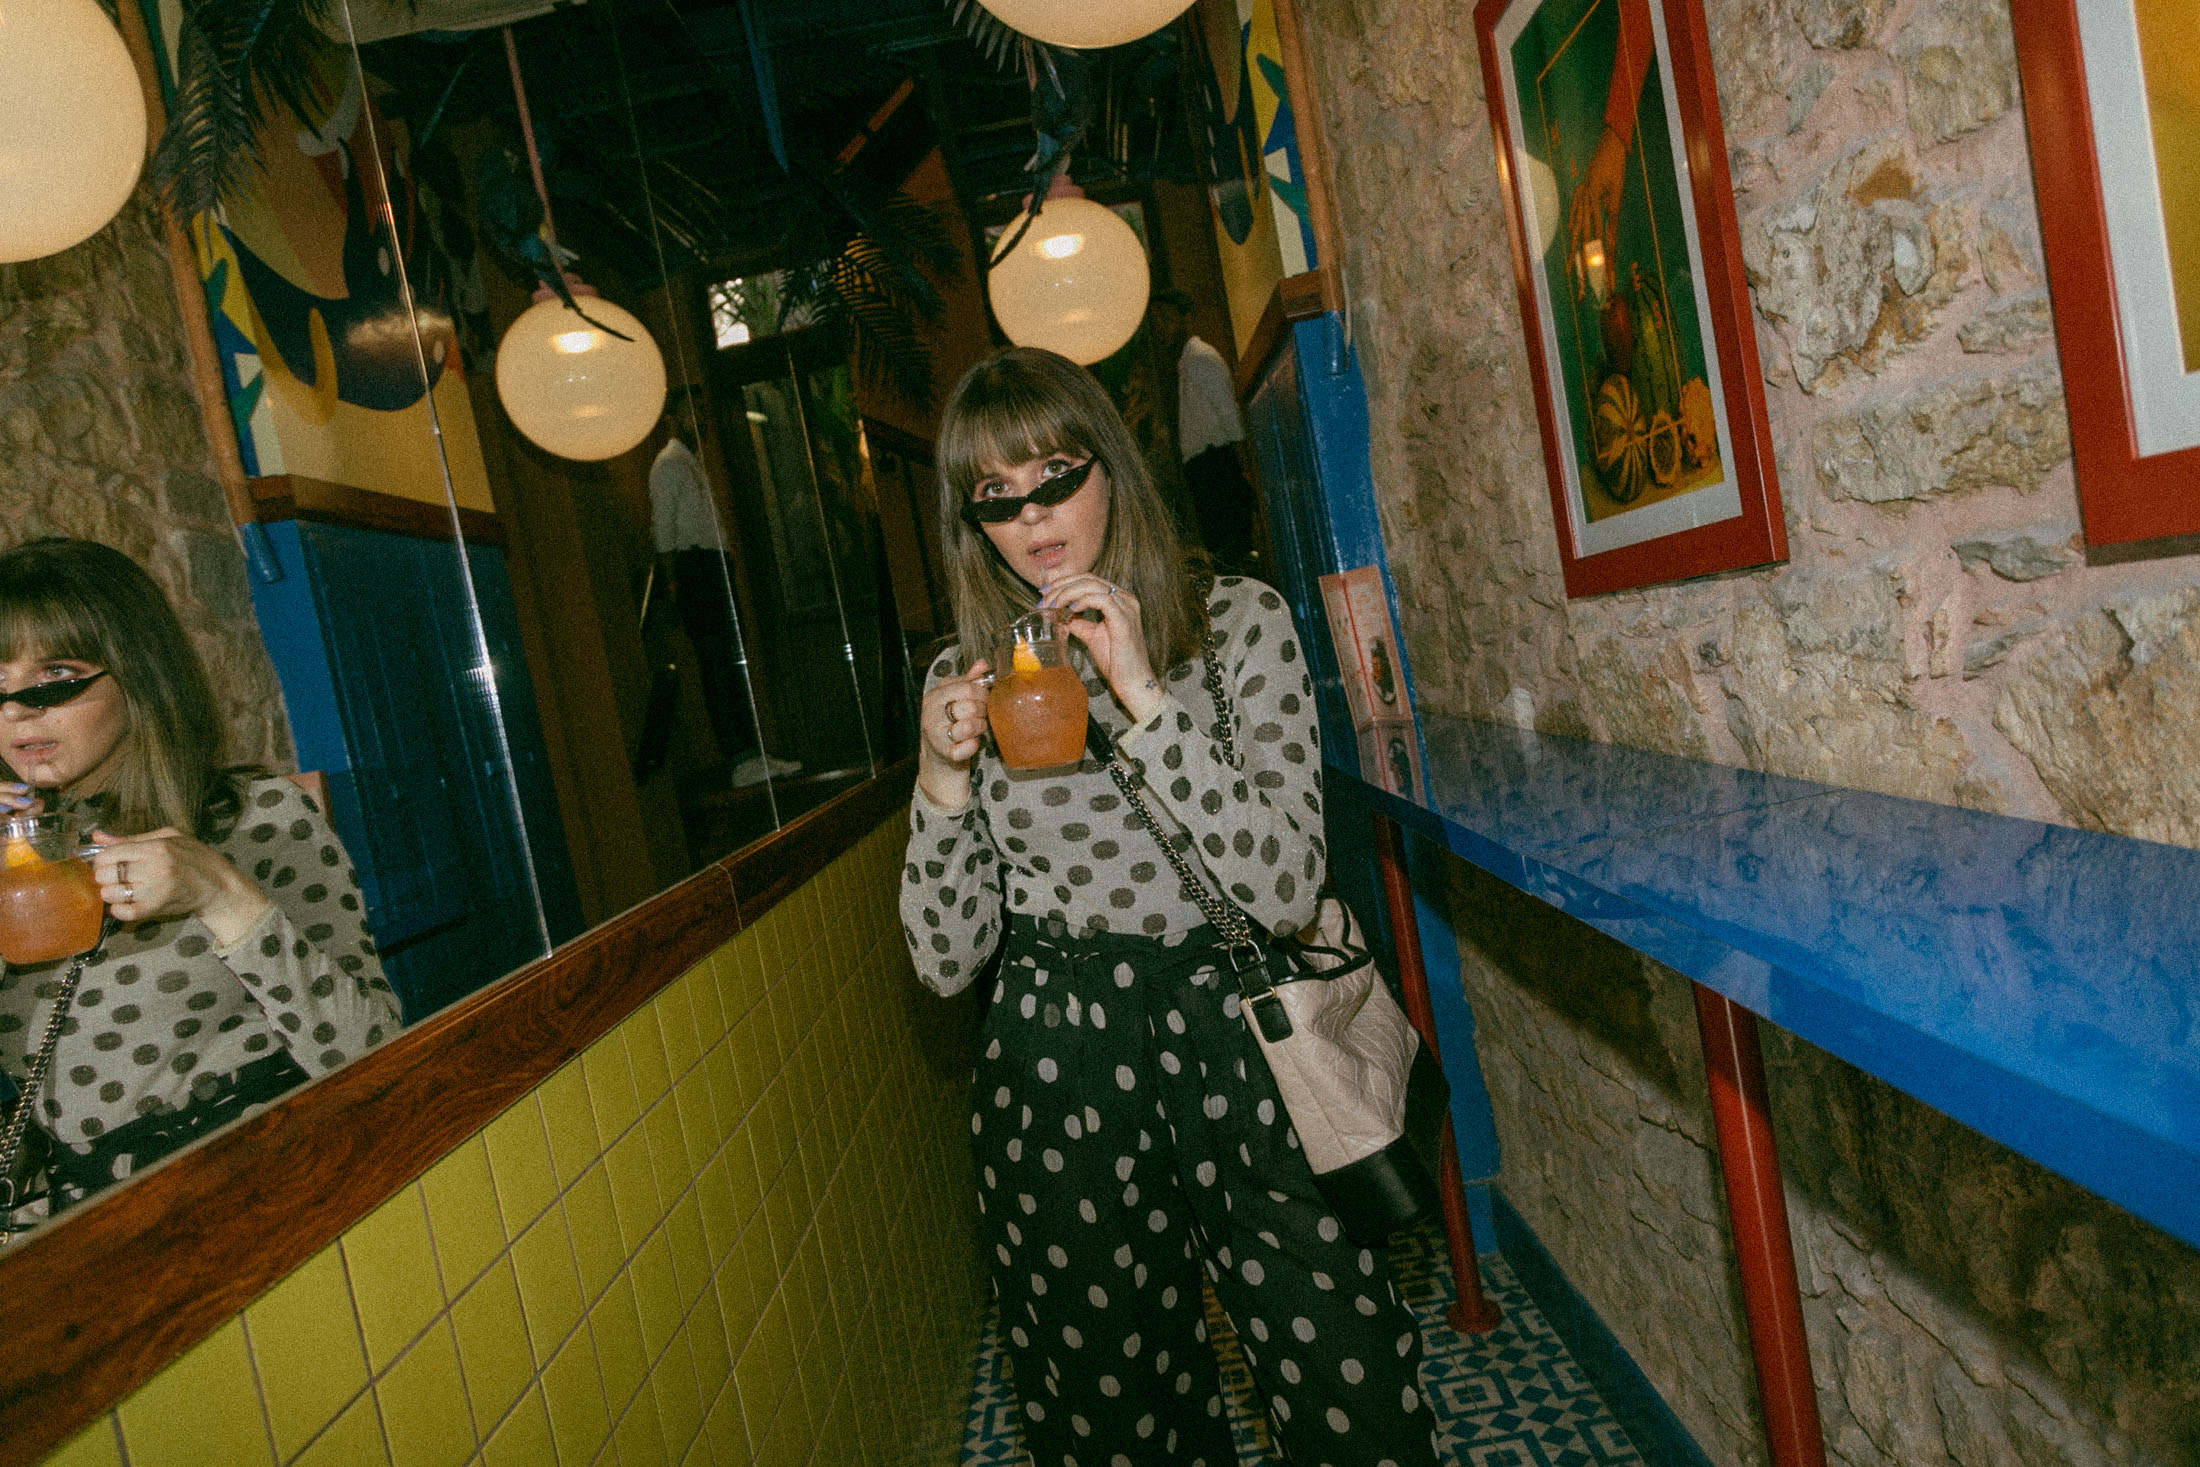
column 1395, row 1187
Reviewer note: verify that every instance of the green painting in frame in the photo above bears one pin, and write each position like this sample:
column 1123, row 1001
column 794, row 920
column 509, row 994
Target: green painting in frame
column 1627, row 260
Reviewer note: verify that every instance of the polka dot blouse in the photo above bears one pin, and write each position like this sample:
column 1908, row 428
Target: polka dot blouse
column 162, row 1010
column 1061, row 844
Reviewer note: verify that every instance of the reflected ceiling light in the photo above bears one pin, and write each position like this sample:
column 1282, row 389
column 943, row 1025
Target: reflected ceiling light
column 575, row 391
column 72, row 125
column 582, row 382
column 1077, row 281
column 1542, row 201
column 1085, row 24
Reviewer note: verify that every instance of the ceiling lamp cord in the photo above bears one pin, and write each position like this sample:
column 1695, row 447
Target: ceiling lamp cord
column 584, row 394
column 527, row 131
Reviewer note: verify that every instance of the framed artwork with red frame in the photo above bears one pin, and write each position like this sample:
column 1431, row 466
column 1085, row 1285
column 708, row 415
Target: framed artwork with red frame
column 1629, row 266
column 2112, row 107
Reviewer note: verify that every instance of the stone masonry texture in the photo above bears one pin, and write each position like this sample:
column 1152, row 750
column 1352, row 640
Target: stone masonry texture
column 1965, row 1308
column 1937, row 633
column 100, row 437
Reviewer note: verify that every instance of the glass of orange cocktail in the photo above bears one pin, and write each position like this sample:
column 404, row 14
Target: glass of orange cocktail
column 49, row 899
column 1037, row 704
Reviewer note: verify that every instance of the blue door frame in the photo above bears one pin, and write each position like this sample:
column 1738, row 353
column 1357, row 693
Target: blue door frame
column 1308, row 416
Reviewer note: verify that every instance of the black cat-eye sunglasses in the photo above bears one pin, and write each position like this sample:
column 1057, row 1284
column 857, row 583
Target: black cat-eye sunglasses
column 53, row 694
column 999, row 510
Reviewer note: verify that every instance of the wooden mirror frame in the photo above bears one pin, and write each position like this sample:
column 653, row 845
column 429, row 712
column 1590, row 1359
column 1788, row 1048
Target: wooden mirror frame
column 96, row 1304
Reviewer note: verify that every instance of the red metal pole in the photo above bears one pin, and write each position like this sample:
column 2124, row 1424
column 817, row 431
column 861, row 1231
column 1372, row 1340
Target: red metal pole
column 1771, row 1299
column 1471, row 1312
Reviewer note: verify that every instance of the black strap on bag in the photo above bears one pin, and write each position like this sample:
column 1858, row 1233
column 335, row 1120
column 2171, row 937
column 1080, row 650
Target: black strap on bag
column 34, row 1082
column 1383, row 1192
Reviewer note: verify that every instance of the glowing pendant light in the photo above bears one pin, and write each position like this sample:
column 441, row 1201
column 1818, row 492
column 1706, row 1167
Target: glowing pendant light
column 1086, row 23
column 1077, row 281
column 574, row 388
column 72, row 125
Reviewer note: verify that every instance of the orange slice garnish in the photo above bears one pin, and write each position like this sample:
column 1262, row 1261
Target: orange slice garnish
column 1024, row 658
column 19, row 852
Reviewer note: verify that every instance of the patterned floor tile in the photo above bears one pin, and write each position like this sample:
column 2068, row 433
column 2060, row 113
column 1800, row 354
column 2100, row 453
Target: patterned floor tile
column 1511, row 1398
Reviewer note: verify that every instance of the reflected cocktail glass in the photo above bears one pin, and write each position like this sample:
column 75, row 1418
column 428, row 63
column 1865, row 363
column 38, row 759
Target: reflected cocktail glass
column 49, row 899
column 1037, row 704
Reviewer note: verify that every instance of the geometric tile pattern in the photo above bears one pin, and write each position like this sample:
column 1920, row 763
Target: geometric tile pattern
column 1511, row 1398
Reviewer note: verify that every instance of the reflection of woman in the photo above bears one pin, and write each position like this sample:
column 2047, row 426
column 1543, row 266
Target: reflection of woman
column 241, row 965
column 1127, row 1129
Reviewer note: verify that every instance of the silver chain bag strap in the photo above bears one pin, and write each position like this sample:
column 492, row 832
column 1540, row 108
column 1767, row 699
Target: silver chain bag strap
column 34, row 1082
column 1364, row 1095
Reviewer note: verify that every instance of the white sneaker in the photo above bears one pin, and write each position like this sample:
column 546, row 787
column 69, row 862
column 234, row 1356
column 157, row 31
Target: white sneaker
column 757, row 768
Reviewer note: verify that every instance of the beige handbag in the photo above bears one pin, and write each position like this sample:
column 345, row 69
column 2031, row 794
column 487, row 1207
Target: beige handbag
column 1365, row 1096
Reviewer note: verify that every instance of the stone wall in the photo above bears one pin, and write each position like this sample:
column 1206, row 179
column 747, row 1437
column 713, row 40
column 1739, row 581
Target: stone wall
column 1937, row 633
column 1965, row 1308
column 100, row 437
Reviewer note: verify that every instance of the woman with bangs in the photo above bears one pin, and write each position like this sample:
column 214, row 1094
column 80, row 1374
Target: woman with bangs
column 239, row 964
column 1127, row 1130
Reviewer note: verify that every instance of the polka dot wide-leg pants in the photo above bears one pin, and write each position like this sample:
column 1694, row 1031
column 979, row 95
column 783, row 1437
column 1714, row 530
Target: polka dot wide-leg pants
column 1127, row 1133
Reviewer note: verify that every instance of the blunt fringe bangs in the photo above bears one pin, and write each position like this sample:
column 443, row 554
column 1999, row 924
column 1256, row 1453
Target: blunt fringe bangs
column 1025, row 403
column 88, row 602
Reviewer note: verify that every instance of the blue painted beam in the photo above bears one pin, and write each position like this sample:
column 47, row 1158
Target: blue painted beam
column 2039, row 984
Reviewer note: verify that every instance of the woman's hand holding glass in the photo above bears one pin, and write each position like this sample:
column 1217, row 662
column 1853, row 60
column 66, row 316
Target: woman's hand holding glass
column 165, row 873
column 1116, row 642
column 952, row 720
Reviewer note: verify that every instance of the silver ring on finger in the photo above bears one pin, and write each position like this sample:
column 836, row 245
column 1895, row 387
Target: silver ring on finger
column 129, row 896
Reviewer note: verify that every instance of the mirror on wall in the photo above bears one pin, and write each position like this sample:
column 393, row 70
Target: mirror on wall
column 521, row 692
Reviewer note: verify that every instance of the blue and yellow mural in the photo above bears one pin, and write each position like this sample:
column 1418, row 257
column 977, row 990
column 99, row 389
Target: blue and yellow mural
column 314, row 278
column 1279, row 135
column 1255, row 183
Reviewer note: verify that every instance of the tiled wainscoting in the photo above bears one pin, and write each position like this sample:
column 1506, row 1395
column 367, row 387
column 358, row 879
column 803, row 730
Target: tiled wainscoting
column 738, row 1228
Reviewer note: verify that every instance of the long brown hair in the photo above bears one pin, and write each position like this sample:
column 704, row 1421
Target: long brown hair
column 1025, row 403
column 86, row 602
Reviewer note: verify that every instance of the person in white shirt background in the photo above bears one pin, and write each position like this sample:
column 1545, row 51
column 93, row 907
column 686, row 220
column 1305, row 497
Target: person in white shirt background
column 692, row 565
column 1210, row 434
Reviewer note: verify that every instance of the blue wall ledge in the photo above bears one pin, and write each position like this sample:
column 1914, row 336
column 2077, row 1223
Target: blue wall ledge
column 2035, row 982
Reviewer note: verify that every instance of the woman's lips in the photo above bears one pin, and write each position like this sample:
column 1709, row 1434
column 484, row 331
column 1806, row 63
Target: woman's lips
column 1048, row 554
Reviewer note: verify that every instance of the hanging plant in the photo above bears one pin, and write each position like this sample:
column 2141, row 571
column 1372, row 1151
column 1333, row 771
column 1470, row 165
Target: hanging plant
column 236, row 61
column 879, row 285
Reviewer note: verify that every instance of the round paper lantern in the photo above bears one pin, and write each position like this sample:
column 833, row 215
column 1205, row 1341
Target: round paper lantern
column 1076, row 283
column 1085, row 23
column 72, row 125
column 577, row 391
column 1542, row 201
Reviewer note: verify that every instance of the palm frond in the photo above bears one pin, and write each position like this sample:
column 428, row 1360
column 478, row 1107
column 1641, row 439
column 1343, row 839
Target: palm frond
column 1005, row 47
column 863, row 290
column 236, row 61
column 888, row 351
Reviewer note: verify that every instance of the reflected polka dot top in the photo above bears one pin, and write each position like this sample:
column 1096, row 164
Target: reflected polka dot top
column 1060, row 845
column 162, row 1011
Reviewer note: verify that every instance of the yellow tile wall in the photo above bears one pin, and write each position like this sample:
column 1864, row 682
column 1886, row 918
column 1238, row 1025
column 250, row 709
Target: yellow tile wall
column 737, row 1229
